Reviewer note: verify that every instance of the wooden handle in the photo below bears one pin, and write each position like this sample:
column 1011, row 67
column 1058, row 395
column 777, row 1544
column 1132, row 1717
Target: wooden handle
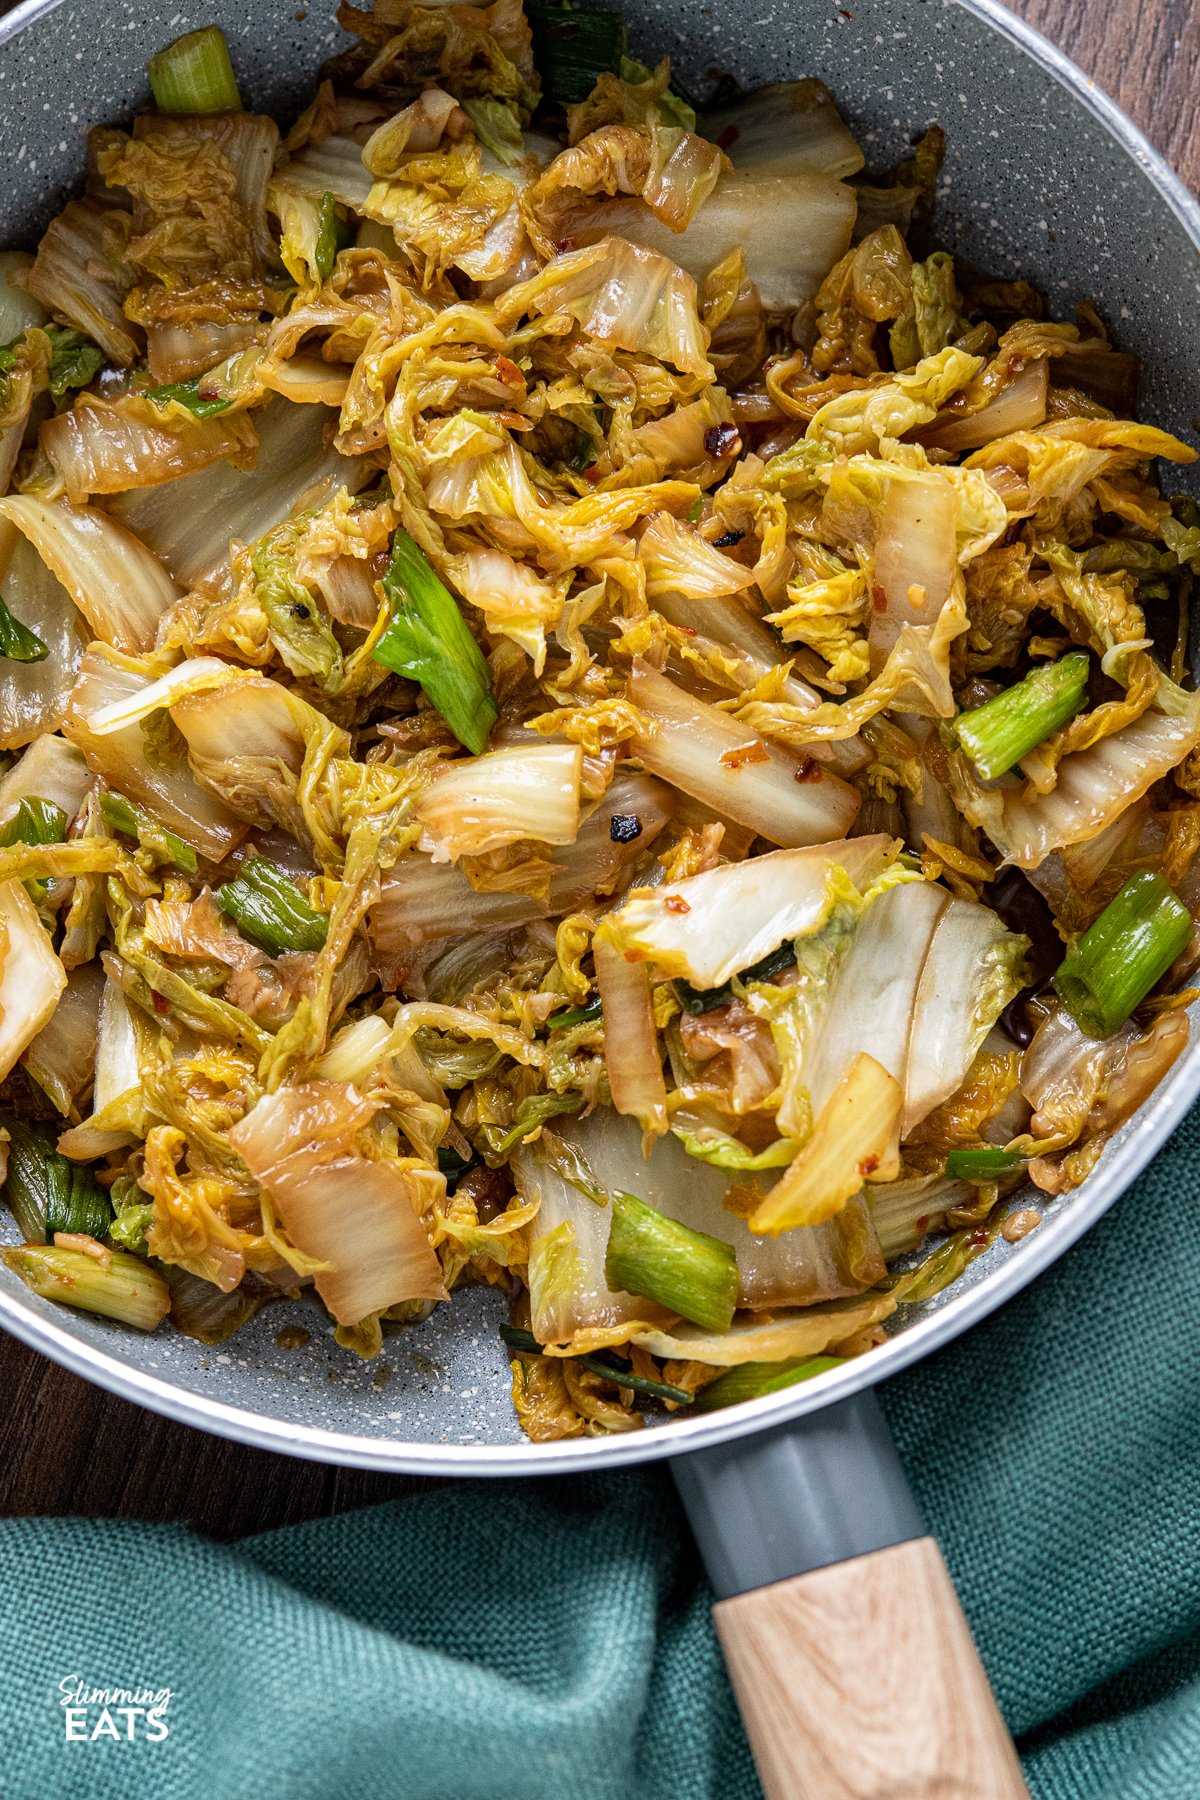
column 861, row 1682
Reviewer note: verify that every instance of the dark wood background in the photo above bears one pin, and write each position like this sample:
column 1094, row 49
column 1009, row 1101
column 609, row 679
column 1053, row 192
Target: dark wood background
column 66, row 1447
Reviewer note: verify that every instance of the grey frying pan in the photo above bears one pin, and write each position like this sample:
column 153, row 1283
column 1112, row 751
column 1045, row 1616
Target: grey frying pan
column 838, row 1619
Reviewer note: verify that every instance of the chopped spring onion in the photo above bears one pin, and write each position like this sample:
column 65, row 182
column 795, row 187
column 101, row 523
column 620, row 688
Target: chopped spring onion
column 17, row 642
column 748, row 1381
column 691, row 1273
column 453, row 1166
column 1007, row 727
column 702, row 1000
column 428, row 641
column 1117, row 961
column 571, row 47
column 270, row 910
column 329, row 237
column 989, row 1163
column 122, row 815
column 576, row 1015
column 34, row 822
column 195, row 75
column 189, row 394
column 601, row 1363
column 125, row 1289
column 45, row 1193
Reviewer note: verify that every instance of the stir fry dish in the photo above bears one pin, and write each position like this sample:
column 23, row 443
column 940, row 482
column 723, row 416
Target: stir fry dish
column 584, row 710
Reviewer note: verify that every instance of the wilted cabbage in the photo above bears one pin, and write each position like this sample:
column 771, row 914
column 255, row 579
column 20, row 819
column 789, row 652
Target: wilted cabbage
column 572, row 692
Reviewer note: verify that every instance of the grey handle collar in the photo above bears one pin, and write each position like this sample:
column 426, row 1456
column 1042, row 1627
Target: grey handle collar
column 820, row 1490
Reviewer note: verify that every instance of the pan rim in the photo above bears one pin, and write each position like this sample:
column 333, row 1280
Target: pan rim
column 34, row 1322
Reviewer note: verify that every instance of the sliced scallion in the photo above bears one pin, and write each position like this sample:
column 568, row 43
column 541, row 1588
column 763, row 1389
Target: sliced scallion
column 35, row 821
column 987, row 1163
column 702, row 1000
column 46, row 1193
column 120, row 814
column 1117, row 961
column 195, row 75
column 453, row 1166
column 573, row 47
column 576, row 1015
column 1007, row 727
column 17, row 642
column 125, row 1288
column 601, row 1362
column 188, row 394
column 270, row 910
column 686, row 1271
column 748, row 1381
column 428, row 641
column 329, row 235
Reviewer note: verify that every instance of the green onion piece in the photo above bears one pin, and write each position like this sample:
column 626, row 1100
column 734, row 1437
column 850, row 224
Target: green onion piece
column 602, row 1363
column 572, row 47
column 120, row 814
column 695, row 509
column 576, row 1015
column 1007, row 727
column 584, row 454
column 45, row 1192
column 453, row 1166
column 991, row 1163
column 750, row 1380
column 127, row 1289
column 428, row 641
column 189, row 394
column 34, row 822
column 687, row 1271
column 1117, row 961
column 74, row 360
column 329, row 236
column 270, row 910
column 17, row 642
column 195, row 75
column 702, row 1000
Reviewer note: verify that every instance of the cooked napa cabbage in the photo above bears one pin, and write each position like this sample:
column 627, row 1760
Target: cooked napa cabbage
column 579, row 713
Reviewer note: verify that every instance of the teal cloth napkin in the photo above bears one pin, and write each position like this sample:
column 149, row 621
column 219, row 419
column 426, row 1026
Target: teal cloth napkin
column 550, row 1640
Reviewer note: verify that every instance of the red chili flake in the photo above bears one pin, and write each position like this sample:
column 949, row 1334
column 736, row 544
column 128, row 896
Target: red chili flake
column 728, row 138
column 878, row 597
column 722, row 440
column 809, row 770
column 978, row 1239
column 686, row 630
column 741, row 754
column 675, row 903
column 161, row 1005
column 868, row 1165
column 508, row 372
column 923, row 1221
column 1015, row 364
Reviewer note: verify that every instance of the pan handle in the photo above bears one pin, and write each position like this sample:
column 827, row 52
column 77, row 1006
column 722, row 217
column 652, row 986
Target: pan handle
column 853, row 1666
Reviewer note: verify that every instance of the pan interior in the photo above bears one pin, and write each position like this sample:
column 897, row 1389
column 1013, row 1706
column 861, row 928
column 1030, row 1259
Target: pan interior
column 1037, row 185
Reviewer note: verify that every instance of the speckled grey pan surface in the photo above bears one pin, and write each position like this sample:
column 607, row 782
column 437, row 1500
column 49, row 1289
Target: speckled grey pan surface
column 1043, row 179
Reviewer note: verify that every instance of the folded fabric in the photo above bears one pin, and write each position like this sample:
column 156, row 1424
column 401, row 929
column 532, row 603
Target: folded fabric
column 550, row 1640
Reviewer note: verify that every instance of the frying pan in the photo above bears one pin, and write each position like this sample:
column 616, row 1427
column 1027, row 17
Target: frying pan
column 853, row 1665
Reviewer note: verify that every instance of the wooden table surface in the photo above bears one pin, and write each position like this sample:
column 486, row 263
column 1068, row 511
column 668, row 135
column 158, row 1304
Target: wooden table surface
column 66, row 1447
